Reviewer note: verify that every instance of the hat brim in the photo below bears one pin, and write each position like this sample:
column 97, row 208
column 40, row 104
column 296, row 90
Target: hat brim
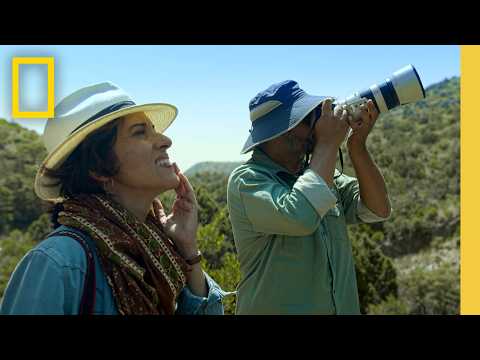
column 161, row 115
column 281, row 120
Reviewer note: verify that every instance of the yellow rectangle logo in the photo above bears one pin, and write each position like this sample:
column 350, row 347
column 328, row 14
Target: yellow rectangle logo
column 17, row 61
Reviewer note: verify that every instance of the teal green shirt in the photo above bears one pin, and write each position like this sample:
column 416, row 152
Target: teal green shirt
column 291, row 238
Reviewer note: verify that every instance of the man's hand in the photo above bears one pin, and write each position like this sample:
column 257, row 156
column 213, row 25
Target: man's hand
column 329, row 132
column 362, row 125
column 331, row 128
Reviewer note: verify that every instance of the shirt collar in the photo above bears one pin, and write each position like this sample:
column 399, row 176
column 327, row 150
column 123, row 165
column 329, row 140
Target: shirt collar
column 260, row 157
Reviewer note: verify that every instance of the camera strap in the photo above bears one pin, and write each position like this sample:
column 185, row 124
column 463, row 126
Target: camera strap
column 341, row 162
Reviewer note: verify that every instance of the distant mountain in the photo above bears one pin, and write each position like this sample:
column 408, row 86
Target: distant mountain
column 212, row 166
column 444, row 88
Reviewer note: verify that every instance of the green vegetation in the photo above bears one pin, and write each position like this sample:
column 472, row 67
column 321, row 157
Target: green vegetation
column 212, row 167
column 407, row 265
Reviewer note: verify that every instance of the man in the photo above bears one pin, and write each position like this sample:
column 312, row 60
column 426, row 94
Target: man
column 289, row 223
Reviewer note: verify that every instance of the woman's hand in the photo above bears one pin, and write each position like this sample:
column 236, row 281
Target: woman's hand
column 181, row 225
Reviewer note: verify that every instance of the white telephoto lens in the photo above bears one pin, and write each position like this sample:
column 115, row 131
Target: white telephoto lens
column 408, row 85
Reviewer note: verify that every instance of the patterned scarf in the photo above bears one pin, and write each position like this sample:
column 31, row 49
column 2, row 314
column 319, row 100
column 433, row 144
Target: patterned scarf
column 142, row 266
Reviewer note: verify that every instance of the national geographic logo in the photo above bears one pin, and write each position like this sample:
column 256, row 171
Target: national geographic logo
column 16, row 111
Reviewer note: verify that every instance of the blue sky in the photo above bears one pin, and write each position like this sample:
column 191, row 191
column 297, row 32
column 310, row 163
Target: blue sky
column 212, row 85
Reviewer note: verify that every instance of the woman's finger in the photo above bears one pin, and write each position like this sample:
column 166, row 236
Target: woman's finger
column 184, row 189
column 186, row 205
column 177, row 206
column 189, row 192
column 176, row 168
column 181, row 177
column 158, row 209
column 183, row 186
column 180, row 189
column 183, row 204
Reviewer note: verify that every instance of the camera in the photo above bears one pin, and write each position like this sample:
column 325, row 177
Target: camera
column 404, row 87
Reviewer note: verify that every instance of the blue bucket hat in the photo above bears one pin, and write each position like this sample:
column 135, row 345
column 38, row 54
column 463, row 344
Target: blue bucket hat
column 277, row 110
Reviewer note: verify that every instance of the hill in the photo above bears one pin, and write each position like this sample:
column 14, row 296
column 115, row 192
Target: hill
column 212, row 167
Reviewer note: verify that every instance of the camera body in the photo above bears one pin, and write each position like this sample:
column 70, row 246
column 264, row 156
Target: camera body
column 352, row 107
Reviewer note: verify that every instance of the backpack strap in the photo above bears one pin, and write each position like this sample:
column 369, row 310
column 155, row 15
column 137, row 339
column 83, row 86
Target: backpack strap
column 87, row 302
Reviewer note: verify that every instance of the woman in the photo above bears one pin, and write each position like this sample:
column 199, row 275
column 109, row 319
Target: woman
column 113, row 250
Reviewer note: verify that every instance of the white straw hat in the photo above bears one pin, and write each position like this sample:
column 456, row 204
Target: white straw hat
column 83, row 112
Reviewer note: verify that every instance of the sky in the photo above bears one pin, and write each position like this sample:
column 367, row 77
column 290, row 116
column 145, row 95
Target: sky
column 212, row 85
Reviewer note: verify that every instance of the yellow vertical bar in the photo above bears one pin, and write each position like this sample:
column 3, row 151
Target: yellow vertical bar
column 470, row 181
column 51, row 91
column 15, row 93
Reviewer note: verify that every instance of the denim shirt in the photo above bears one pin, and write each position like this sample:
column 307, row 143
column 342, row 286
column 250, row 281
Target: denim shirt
column 49, row 280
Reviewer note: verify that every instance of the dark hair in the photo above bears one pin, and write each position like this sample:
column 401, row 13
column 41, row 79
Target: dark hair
column 95, row 155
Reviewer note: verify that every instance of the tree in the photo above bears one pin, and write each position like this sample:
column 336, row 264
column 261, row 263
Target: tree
column 12, row 249
column 376, row 274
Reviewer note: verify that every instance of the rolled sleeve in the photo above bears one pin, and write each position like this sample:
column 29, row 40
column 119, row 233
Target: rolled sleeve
column 355, row 210
column 274, row 208
column 368, row 216
column 316, row 191
column 190, row 304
